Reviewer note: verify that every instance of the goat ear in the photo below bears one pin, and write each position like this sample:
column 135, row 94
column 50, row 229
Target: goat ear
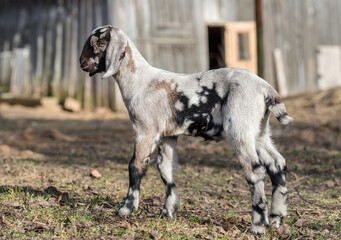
column 114, row 50
column 108, row 73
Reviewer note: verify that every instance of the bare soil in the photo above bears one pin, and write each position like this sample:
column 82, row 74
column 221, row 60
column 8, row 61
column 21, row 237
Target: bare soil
column 64, row 175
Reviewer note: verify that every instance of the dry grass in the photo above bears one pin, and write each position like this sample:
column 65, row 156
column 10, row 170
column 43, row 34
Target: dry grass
column 46, row 190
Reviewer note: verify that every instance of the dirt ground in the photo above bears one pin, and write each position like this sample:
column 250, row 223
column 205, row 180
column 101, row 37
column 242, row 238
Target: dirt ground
column 47, row 190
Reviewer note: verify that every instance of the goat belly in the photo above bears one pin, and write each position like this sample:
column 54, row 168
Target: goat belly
column 203, row 126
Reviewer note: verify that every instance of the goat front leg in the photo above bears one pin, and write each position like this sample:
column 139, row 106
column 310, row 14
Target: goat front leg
column 166, row 163
column 137, row 168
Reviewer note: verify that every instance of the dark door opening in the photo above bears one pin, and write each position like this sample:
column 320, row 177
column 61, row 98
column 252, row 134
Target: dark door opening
column 216, row 43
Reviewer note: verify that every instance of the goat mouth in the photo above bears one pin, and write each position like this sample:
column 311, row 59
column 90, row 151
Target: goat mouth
column 91, row 69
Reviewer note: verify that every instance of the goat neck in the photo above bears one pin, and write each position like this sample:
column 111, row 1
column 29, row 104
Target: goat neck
column 133, row 74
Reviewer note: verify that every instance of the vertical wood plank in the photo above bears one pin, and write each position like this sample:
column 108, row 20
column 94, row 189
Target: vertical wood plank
column 280, row 73
column 88, row 85
column 97, row 78
column 47, row 73
column 74, row 65
column 39, row 69
column 57, row 73
column 66, row 52
column 5, row 69
column 20, row 78
column 200, row 34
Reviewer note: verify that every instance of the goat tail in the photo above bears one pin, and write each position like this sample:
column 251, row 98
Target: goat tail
column 275, row 105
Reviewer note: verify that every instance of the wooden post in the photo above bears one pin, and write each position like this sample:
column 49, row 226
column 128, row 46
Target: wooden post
column 57, row 73
column 88, row 85
column 20, row 78
column 97, row 81
column 5, row 70
column 74, row 65
column 280, row 73
column 259, row 25
column 67, row 58
column 47, row 72
column 200, row 34
column 39, row 69
column 83, row 33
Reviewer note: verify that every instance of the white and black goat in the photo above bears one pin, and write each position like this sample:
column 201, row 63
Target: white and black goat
column 229, row 103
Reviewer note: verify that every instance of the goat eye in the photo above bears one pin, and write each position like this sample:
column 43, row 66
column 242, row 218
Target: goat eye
column 102, row 44
column 122, row 55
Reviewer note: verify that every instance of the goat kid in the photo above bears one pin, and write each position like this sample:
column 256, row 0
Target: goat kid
column 228, row 103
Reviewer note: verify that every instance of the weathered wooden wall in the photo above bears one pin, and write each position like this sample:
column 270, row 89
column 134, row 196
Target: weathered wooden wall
column 171, row 34
column 223, row 11
column 53, row 33
column 297, row 27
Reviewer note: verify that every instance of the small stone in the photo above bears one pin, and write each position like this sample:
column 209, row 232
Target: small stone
column 72, row 104
column 94, row 173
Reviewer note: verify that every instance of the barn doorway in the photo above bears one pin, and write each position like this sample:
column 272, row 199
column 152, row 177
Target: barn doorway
column 233, row 44
column 216, row 46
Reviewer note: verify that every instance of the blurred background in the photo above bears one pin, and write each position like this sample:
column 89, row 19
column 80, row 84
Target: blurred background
column 293, row 44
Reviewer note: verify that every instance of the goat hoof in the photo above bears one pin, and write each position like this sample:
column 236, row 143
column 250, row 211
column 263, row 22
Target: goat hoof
column 124, row 212
column 275, row 220
column 167, row 213
column 258, row 230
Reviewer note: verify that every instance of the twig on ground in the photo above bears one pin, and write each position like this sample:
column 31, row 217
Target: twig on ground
column 303, row 236
column 307, row 201
column 242, row 211
column 301, row 210
column 298, row 181
column 248, row 211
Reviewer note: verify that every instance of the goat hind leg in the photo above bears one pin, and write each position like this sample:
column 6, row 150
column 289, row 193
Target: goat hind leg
column 276, row 168
column 166, row 162
column 255, row 175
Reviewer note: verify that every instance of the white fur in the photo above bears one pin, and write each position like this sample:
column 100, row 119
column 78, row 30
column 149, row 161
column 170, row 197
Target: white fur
column 179, row 106
column 124, row 212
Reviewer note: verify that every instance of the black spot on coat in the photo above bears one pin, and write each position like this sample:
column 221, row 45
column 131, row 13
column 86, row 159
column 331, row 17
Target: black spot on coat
column 200, row 114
